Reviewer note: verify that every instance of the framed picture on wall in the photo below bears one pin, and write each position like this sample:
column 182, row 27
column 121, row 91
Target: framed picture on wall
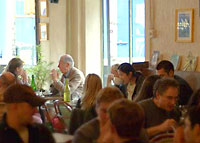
column 43, row 8
column 43, row 31
column 184, row 25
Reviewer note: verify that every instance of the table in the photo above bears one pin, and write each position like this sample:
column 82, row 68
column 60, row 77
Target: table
column 62, row 138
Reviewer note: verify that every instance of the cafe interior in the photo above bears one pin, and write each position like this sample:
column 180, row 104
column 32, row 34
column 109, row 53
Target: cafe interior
column 76, row 51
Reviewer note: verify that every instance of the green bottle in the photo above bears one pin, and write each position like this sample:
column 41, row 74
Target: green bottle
column 33, row 85
column 67, row 92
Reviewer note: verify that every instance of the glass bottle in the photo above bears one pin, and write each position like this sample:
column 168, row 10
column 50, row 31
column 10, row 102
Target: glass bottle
column 67, row 92
column 33, row 85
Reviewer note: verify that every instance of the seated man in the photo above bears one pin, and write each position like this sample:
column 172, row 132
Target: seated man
column 160, row 115
column 190, row 133
column 114, row 77
column 90, row 131
column 17, row 124
column 166, row 69
column 74, row 75
column 126, row 120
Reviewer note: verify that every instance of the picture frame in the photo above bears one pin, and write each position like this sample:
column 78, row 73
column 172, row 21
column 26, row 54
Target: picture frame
column 43, row 8
column 43, row 31
column 184, row 19
column 154, row 59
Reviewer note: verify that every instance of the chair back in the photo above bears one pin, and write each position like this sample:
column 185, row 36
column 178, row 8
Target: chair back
column 163, row 138
column 63, row 109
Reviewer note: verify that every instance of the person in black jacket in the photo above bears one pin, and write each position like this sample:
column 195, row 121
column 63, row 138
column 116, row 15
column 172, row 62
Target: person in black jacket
column 17, row 125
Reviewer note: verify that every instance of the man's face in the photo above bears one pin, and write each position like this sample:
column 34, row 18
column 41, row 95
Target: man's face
column 168, row 99
column 25, row 112
column 64, row 67
column 102, row 112
column 126, row 78
column 163, row 73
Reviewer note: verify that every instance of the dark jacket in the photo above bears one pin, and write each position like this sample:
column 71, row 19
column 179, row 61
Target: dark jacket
column 79, row 117
column 37, row 133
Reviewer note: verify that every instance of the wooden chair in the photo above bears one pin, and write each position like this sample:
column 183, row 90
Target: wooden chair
column 63, row 109
column 163, row 138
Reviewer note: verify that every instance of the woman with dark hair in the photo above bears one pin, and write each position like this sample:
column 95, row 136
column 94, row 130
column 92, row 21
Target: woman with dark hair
column 15, row 66
column 146, row 90
column 131, row 79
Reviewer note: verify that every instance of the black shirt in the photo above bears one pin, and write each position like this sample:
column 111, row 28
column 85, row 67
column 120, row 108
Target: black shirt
column 185, row 90
column 37, row 133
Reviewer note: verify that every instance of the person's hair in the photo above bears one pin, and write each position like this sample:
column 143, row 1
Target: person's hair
column 193, row 115
column 91, row 88
column 7, row 79
column 146, row 90
column 13, row 64
column 163, row 84
column 126, row 68
column 194, row 99
column 108, row 94
column 115, row 67
column 68, row 59
column 127, row 117
column 166, row 65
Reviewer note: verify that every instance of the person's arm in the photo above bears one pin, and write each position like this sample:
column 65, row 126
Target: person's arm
column 56, row 82
column 165, row 126
column 75, row 81
column 109, row 79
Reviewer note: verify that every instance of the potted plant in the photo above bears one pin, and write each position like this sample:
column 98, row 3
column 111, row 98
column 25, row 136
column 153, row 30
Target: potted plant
column 41, row 70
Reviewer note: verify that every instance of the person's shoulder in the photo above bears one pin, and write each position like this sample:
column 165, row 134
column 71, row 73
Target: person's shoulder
column 146, row 102
column 180, row 79
column 43, row 132
column 87, row 133
column 76, row 71
column 89, row 126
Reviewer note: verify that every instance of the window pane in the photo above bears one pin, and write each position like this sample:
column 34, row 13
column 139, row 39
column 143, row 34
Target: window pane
column 138, row 30
column 17, row 30
column 119, row 31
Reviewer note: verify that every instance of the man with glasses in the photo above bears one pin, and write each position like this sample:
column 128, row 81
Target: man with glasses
column 160, row 113
column 166, row 69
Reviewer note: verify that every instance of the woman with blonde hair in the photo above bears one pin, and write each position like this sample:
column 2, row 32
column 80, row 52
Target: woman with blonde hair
column 91, row 88
column 87, row 111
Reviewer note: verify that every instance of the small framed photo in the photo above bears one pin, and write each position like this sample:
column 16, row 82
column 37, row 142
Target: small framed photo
column 154, row 59
column 184, row 25
column 43, row 31
column 43, row 8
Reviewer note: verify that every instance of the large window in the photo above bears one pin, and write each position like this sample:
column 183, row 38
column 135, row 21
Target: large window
column 17, row 26
column 123, row 32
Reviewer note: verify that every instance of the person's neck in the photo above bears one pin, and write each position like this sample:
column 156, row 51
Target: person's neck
column 133, row 80
column 14, row 123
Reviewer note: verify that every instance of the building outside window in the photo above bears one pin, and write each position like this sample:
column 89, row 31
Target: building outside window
column 18, row 35
column 123, row 32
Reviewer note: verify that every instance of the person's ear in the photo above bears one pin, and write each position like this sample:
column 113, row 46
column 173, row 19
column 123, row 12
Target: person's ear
column 130, row 74
column 157, row 95
column 171, row 73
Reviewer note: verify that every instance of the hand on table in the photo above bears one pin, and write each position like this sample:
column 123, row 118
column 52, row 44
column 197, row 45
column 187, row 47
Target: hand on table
column 168, row 125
